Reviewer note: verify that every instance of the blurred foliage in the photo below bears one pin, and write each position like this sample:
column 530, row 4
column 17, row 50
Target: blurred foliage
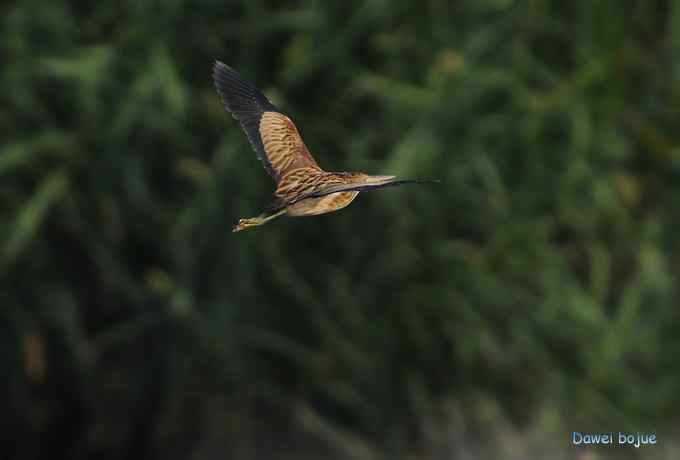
column 533, row 292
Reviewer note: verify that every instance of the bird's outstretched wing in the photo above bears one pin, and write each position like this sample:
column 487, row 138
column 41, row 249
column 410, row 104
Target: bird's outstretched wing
column 337, row 188
column 272, row 134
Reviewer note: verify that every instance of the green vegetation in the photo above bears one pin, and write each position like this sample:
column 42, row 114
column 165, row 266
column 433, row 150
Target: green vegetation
column 533, row 292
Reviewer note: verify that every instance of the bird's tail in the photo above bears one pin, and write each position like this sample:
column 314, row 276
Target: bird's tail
column 373, row 183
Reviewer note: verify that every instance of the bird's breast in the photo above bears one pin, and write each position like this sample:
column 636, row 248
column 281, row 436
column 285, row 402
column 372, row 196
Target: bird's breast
column 321, row 205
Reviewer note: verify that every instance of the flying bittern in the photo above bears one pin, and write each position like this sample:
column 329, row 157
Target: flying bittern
column 302, row 187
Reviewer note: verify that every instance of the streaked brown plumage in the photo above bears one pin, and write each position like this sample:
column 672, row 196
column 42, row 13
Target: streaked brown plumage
column 302, row 187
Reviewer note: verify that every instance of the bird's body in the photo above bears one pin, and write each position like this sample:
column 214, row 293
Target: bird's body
column 303, row 181
column 302, row 187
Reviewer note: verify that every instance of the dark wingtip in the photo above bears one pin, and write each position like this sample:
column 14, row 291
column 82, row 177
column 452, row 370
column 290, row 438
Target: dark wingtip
column 219, row 67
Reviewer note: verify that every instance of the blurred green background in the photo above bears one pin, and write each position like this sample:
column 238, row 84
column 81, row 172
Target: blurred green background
column 532, row 293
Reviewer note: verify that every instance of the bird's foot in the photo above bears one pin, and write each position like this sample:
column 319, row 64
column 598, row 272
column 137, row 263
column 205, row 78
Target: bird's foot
column 247, row 223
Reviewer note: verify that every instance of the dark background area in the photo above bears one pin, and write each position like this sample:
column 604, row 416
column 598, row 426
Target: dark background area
column 532, row 293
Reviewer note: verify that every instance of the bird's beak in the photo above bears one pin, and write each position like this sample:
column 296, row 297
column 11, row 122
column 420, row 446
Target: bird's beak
column 378, row 180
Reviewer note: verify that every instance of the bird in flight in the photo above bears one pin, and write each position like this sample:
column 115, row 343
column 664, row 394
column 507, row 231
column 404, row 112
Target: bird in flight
column 302, row 187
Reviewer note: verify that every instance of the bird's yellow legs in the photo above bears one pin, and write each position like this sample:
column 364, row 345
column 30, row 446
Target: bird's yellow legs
column 255, row 221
